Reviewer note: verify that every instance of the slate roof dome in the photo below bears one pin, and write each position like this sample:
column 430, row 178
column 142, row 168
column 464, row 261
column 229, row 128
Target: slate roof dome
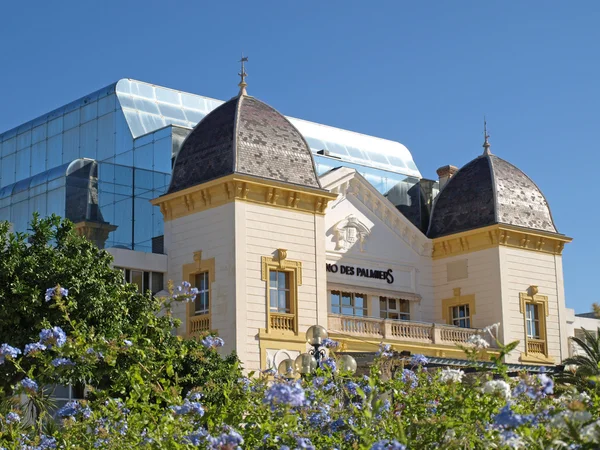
column 244, row 136
column 487, row 191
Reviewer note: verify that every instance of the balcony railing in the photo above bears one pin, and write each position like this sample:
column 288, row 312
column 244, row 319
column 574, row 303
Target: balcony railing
column 199, row 323
column 402, row 330
column 283, row 321
column 536, row 346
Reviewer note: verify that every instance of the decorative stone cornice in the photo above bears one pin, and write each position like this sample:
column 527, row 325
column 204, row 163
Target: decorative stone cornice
column 242, row 188
column 497, row 235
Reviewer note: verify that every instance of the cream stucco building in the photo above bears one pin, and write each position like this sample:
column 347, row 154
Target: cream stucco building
column 274, row 248
column 283, row 223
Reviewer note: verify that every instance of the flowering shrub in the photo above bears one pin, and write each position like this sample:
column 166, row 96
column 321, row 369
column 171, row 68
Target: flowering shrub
column 417, row 408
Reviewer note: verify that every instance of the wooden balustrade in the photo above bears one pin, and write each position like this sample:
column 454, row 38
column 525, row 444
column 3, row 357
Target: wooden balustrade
column 283, row 321
column 199, row 323
column 536, row 346
column 402, row 330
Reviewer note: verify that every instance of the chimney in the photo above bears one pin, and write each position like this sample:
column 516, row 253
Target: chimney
column 445, row 173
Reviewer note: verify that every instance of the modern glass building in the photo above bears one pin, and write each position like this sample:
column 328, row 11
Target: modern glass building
column 100, row 159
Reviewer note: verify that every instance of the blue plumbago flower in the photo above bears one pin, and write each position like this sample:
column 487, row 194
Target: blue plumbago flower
column 290, row 394
column 7, row 350
column 284, row 447
column 245, row 382
column 388, row 445
column 198, row 437
column 547, row 384
column 385, row 350
column 330, row 343
column 91, row 351
column 352, row 387
column 12, row 417
column 73, row 408
column 29, row 385
column 34, row 347
column 419, row 360
column 304, row 443
column 213, row 342
column 57, row 362
column 328, row 364
column 318, row 381
column 51, row 293
column 410, row 378
column 127, row 343
column 186, row 292
column 194, row 396
column 337, row 425
column 46, row 443
column 229, row 440
column 53, row 336
column 507, row 418
column 188, row 408
column 329, row 386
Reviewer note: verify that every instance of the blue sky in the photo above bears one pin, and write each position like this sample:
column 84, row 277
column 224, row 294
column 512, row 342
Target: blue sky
column 422, row 73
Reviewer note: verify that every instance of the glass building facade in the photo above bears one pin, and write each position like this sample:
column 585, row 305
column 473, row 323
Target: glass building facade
column 124, row 138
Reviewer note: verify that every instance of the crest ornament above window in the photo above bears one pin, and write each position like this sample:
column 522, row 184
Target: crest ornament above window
column 350, row 232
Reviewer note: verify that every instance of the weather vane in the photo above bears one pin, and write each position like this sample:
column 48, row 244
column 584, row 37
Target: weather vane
column 243, row 75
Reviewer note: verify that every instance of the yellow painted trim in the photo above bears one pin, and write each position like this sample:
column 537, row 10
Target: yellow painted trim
column 536, row 359
column 245, row 188
column 495, row 236
column 280, row 263
column 457, row 300
column 189, row 273
column 532, row 297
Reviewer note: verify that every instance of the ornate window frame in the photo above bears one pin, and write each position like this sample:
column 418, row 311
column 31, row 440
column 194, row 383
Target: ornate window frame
column 531, row 353
column 458, row 300
column 202, row 322
column 280, row 322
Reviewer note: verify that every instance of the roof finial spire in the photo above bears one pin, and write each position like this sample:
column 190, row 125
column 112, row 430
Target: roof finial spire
column 243, row 76
column 486, row 143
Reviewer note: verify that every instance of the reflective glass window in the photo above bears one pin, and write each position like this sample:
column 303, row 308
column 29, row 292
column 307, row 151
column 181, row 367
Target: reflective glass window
column 22, row 169
column 202, row 283
column 106, row 137
column 533, row 321
column 146, row 105
column 9, row 146
column 24, row 140
column 279, row 291
column 171, row 111
column 143, row 156
column 38, row 134
column 54, row 151
column 70, row 145
column 348, row 303
column 38, row 157
column 88, row 135
column 71, row 120
column 125, row 159
column 124, row 140
column 168, row 96
column 106, row 104
column 461, row 316
column 89, row 112
column 55, row 126
column 8, row 169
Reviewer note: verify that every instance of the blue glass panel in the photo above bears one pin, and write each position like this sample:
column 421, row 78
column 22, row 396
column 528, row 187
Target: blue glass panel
column 171, row 111
column 126, row 101
column 151, row 121
column 88, row 136
column 158, row 225
column 89, row 112
column 20, row 215
column 124, row 177
column 23, row 164
column 125, row 159
column 123, row 218
column 134, row 122
column 143, row 179
column 193, row 101
column 56, row 201
column 193, row 116
column 57, row 182
column 55, row 126
column 124, row 140
column 106, row 136
column 54, row 151
column 24, row 140
column 70, row 145
column 107, row 104
column 142, row 226
column 162, row 155
column 9, row 146
column 71, row 119
column 142, row 89
column 38, row 157
column 146, row 105
column 106, row 173
column 143, row 140
column 38, row 134
column 38, row 204
column 8, row 169
column 143, row 157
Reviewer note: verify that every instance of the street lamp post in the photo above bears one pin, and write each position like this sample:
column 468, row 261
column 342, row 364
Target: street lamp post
column 306, row 363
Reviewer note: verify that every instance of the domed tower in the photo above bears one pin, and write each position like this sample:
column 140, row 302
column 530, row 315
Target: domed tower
column 244, row 223
column 497, row 257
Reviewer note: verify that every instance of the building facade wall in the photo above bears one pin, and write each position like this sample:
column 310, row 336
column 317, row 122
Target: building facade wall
column 213, row 233
column 521, row 269
column 482, row 280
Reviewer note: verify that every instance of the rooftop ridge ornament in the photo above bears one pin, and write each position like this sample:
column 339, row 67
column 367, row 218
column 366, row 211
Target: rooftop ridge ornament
column 486, row 143
column 243, row 76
